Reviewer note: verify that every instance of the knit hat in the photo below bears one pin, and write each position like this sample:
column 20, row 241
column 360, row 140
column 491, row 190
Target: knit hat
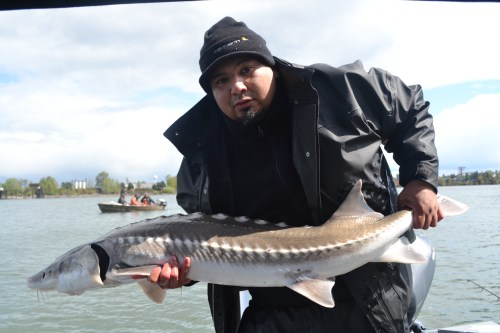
column 228, row 38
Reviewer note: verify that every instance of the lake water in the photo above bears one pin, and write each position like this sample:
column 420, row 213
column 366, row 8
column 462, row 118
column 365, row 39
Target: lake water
column 34, row 232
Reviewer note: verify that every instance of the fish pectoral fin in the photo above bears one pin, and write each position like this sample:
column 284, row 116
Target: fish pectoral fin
column 137, row 271
column 451, row 207
column 403, row 252
column 318, row 291
column 153, row 291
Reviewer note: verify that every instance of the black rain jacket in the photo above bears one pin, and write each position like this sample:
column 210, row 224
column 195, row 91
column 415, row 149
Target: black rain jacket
column 341, row 118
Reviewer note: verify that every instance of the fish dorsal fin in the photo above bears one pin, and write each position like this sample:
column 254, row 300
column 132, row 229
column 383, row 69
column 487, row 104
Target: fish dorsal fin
column 153, row 291
column 355, row 205
column 318, row 291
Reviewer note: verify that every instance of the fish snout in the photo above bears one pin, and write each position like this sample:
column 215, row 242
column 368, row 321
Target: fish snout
column 73, row 273
column 43, row 280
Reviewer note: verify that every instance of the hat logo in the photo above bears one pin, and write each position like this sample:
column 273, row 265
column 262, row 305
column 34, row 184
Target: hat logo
column 234, row 42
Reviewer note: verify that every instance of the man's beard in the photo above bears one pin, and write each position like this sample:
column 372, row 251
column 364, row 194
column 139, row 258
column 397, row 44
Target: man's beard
column 249, row 116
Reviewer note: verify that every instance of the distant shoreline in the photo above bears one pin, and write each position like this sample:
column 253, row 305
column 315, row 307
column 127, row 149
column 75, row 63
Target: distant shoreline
column 81, row 195
column 59, row 196
column 89, row 195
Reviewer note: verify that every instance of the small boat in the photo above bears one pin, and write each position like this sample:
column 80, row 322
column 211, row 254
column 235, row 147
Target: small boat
column 112, row 207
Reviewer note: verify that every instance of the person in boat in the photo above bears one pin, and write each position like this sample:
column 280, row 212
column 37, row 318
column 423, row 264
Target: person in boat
column 282, row 142
column 135, row 200
column 146, row 200
column 121, row 199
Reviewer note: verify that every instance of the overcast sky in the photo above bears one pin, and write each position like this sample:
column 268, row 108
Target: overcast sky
column 85, row 90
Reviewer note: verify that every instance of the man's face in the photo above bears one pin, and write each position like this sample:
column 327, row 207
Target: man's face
column 243, row 87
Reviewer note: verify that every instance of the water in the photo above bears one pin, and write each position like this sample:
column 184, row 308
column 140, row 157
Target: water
column 468, row 248
column 34, row 232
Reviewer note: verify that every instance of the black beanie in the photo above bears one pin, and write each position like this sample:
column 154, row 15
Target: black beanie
column 229, row 38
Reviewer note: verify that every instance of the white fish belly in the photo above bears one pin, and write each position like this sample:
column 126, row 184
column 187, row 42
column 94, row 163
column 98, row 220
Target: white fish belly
column 226, row 273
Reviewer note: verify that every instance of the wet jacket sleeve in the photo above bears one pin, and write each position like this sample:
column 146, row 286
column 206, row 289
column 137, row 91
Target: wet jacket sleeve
column 408, row 131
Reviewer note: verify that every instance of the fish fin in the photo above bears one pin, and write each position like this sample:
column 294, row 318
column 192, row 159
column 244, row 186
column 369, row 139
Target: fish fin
column 355, row 205
column 403, row 252
column 153, row 291
column 451, row 207
column 137, row 271
column 318, row 291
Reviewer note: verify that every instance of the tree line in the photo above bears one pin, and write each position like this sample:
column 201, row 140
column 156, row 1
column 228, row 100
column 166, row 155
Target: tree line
column 471, row 178
column 104, row 184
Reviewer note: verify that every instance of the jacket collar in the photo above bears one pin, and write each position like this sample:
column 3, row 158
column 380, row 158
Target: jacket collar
column 192, row 130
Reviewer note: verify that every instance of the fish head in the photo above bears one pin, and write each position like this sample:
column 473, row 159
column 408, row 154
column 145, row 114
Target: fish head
column 72, row 273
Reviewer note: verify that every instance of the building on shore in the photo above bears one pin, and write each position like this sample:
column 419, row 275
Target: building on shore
column 80, row 184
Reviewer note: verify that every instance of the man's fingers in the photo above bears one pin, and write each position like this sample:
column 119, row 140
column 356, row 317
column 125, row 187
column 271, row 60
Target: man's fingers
column 155, row 274
column 164, row 278
column 440, row 214
column 170, row 276
column 186, row 265
column 174, row 278
column 425, row 221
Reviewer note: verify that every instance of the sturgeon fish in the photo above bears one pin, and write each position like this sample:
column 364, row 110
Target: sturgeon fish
column 240, row 251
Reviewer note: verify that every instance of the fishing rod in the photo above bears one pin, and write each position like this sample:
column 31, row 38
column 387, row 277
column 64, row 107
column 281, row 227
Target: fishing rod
column 485, row 289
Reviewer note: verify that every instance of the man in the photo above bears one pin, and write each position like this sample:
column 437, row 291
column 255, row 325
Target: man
column 135, row 200
column 121, row 199
column 283, row 142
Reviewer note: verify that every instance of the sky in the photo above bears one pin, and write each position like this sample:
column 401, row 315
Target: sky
column 85, row 90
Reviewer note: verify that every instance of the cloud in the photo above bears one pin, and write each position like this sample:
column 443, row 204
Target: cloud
column 89, row 89
column 467, row 135
column 75, row 134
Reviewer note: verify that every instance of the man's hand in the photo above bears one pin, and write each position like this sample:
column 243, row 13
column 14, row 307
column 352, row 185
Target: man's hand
column 169, row 276
column 421, row 199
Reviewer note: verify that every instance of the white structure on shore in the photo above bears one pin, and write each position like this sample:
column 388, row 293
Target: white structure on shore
column 80, row 184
